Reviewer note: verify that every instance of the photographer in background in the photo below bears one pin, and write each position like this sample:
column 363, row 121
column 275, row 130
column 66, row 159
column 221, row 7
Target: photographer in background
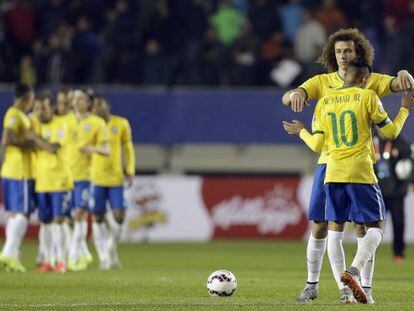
column 394, row 170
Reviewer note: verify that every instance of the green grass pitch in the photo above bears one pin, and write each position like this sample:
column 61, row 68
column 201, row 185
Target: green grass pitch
column 270, row 275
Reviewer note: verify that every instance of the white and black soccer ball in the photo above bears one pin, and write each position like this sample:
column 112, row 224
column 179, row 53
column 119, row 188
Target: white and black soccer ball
column 221, row 283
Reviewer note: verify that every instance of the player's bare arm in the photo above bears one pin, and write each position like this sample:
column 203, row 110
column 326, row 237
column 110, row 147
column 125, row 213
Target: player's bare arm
column 296, row 98
column 404, row 81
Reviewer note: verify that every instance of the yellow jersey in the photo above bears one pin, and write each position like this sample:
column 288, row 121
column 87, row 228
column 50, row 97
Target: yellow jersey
column 17, row 161
column 89, row 131
column 321, row 85
column 52, row 173
column 35, row 123
column 108, row 171
column 344, row 118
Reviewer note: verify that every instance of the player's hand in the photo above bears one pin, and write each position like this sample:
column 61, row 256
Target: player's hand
column 87, row 149
column 407, row 100
column 297, row 101
column 405, row 80
column 129, row 179
column 293, row 128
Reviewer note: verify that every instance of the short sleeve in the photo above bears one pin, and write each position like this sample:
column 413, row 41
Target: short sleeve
column 312, row 87
column 11, row 121
column 380, row 84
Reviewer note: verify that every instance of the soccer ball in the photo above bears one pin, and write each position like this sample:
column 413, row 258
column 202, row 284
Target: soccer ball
column 221, row 283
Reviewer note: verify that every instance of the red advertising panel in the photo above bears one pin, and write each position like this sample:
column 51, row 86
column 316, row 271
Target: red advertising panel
column 255, row 207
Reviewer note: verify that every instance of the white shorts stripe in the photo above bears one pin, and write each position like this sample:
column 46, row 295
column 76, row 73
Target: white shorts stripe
column 25, row 196
column 377, row 193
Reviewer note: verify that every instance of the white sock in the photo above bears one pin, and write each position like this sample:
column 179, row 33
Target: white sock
column 367, row 271
column 367, row 248
column 113, row 239
column 84, row 244
column 100, row 236
column 48, row 244
column 336, row 255
column 75, row 244
column 41, row 252
column 67, row 236
column 314, row 254
column 58, row 240
column 8, row 248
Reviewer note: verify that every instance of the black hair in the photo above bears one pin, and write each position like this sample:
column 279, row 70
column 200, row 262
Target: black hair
column 360, row 64
column 21, row 89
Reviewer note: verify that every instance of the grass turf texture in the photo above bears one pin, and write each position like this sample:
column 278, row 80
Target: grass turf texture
column 173, row 277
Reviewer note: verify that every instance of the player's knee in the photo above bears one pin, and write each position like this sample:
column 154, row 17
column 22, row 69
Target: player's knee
column 336, row 226
column 360, row 230
column 119, row 217
column 319, row 229
column 99, row 217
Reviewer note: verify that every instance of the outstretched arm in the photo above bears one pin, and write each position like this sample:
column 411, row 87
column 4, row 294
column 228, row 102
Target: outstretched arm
column 391, row 129
column 404, row 81
column 296, row 98
column 314, row 141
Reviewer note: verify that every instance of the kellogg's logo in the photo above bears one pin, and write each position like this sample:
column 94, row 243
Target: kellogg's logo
column 254, row 207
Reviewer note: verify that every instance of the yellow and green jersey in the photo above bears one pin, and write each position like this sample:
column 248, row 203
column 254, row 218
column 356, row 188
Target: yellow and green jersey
column 108, row 171
column 88, row 131
column 323, row 84
column 17, row 162
column 52, row 171
column 344, row 119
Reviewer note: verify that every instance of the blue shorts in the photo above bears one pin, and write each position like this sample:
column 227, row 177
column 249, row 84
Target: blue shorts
column 361, row 203
column 99, row 196
column 18, row 195
column 53, row 204
column 80, row 194
column 317, row 203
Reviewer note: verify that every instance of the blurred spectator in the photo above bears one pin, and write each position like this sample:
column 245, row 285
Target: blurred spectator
column 86, row 48
column 244, row 58
column 211, row 58
column 264, row 18
column 227, row 21
column 330, row 16
column 195, row 26
column 397, row 9
column 21, row 24
column 87, row 41
column 291, row 14
column 50, row 15
column 310, row 39
column 27, row 71
column 155, row 66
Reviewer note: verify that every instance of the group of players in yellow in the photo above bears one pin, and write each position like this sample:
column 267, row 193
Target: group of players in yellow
column 67, row 160
column 345, row 186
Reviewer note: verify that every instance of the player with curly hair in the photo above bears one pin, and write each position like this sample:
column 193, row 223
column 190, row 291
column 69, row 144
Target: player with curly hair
column 342, row 47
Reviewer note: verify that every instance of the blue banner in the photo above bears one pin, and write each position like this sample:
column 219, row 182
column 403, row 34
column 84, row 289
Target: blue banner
column 210, row 116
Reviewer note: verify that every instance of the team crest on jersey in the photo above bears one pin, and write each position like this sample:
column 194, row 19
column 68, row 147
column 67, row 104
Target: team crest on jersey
column 87, row 127
column 11, row 120
column 114, row 130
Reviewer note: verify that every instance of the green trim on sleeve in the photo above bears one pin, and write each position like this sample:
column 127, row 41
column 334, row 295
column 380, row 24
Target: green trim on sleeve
column 383, row 122
column 306, row 93
column 318, row 132
column 391, row 85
